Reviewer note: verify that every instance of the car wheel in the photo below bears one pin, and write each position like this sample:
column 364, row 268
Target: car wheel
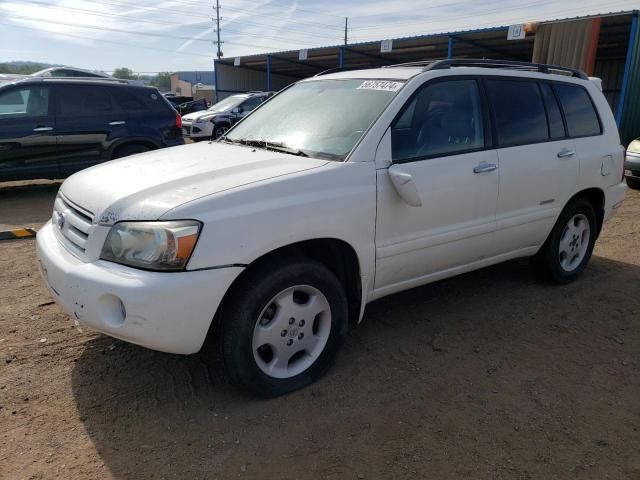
column 565, row 254
column 127, row 150
column 219, row 131
column 633, row 183
column 283, row 326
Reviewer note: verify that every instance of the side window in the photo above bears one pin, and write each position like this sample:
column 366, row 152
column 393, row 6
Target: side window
column 251, row 103
column 581, row 116
column 24, row 102
column 78, row 100
column 519, row 112
column 444, row 118
column 556, row 126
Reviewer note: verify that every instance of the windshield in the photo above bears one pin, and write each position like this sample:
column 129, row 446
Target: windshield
column 321, row 118
column 228, row 103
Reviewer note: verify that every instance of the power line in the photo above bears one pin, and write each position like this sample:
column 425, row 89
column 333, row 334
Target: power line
column 133, row 45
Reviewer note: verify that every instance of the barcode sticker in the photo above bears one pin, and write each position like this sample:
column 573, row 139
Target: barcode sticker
column 384, row 85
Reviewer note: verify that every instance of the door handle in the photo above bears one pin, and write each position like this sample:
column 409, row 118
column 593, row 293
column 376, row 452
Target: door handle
column 43, row 129
column 485, row 167
column 118, row 122
column 566, row 153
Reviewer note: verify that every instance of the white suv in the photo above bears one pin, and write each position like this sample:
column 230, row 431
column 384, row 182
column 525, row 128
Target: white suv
column 342, row 189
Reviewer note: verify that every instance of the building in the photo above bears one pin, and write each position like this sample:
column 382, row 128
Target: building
column 196, row 84
column 605, row 46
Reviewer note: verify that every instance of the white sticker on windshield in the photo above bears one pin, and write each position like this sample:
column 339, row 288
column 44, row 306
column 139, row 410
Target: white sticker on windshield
column 384, row 85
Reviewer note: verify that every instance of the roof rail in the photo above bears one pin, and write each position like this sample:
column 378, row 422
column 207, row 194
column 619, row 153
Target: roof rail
column 84, row 79
column 484, row 63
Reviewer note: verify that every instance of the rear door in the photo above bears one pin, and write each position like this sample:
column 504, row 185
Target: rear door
column 27, row 133
column 538, row 165
column 88, row 123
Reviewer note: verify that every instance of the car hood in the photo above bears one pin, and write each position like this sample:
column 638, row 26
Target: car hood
column 147, row 185
column 201, row 114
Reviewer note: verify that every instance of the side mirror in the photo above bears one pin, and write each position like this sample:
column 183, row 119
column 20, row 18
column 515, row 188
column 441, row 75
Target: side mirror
column 237, row 110
column 404, row 185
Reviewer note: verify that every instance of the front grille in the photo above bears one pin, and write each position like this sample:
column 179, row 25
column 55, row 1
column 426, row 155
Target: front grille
column 73, row 222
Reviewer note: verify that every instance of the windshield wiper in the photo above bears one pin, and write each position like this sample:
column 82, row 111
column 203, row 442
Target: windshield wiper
column 276, row 146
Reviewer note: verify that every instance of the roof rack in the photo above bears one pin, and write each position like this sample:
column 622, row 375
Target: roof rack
column 83, row 79
column 484, row 63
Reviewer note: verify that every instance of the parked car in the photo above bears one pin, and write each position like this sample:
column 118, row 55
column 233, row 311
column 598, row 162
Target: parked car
column 632, row 165
column 177, row 100
column 214, row 122
column 342, row 189
column 53, row 127
column 69, row 72
column 193, row 106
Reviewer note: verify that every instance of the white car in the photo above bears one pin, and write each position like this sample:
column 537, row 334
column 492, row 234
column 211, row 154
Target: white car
column 342, row 189
column 220, row 117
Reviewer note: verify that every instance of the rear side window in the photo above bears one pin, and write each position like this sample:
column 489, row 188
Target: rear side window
column 444, row 118
column 519, row 112
column 76, row 100
column 556, row 125
column 581, row 116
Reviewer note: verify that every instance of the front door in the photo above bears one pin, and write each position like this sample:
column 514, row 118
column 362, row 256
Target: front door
column 439, row 147
column 27, row 133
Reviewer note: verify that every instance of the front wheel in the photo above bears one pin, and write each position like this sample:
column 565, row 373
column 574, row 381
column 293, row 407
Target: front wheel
column 283, row 326
column 633, row 183
column 565, row 254
column 219, row 131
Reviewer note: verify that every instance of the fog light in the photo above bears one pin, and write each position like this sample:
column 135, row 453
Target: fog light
column 112, row 310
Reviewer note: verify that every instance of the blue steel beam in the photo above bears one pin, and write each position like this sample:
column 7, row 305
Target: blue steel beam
column 268, row 73
column 627, row 68
column 450, row 47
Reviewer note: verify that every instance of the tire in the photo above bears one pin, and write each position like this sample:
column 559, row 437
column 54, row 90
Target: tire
column 264, row 347
column 567, row 250
column 633, row 183
column 219, row 130
column 130, row 149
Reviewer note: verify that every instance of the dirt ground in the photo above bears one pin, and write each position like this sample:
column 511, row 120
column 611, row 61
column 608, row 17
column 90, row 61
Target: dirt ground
column 491, row 375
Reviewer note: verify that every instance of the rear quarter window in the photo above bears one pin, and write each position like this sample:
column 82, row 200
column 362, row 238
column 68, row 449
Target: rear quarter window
column 141, row 100
column 579, row 111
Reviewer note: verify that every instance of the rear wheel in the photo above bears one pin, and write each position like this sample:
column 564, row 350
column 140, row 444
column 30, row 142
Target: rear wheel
column 569, row 246
column 283, row 326
column 132, row 149
column 633, row 183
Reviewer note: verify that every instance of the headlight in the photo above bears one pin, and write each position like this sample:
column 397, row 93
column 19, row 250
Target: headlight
column 165, row 246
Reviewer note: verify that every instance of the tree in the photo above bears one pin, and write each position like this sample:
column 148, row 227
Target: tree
column 162, row 81
column 124, row 73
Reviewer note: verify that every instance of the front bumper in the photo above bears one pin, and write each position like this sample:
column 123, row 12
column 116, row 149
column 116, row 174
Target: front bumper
column 197, row 130
column 632, row 165
column 170, row 312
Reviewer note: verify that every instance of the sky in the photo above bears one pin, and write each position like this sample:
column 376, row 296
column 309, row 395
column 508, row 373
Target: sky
column 150, row 36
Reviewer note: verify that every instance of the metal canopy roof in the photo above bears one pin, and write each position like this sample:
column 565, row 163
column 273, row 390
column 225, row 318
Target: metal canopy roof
column 481, row 43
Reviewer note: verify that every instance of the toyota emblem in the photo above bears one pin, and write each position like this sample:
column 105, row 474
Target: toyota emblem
column 60, row 220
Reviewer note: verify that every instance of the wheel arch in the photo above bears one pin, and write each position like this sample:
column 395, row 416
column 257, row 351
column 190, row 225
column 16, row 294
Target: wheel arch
column 132, row 141
column 337, row 255
column 595, row 196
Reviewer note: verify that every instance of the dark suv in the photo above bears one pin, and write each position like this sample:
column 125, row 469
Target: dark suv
column 53, row 127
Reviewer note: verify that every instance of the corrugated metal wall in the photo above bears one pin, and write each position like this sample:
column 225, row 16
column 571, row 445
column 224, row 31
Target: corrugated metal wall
column 239, row 80
column 629, row 121
column 567, row 43
column 611, row 72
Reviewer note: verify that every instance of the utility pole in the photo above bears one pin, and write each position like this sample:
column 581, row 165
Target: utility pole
column 217, row 7
column 346, row 28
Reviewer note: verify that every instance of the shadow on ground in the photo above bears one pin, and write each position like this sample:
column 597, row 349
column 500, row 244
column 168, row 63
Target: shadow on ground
column 487, row 375
column 24, row 204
